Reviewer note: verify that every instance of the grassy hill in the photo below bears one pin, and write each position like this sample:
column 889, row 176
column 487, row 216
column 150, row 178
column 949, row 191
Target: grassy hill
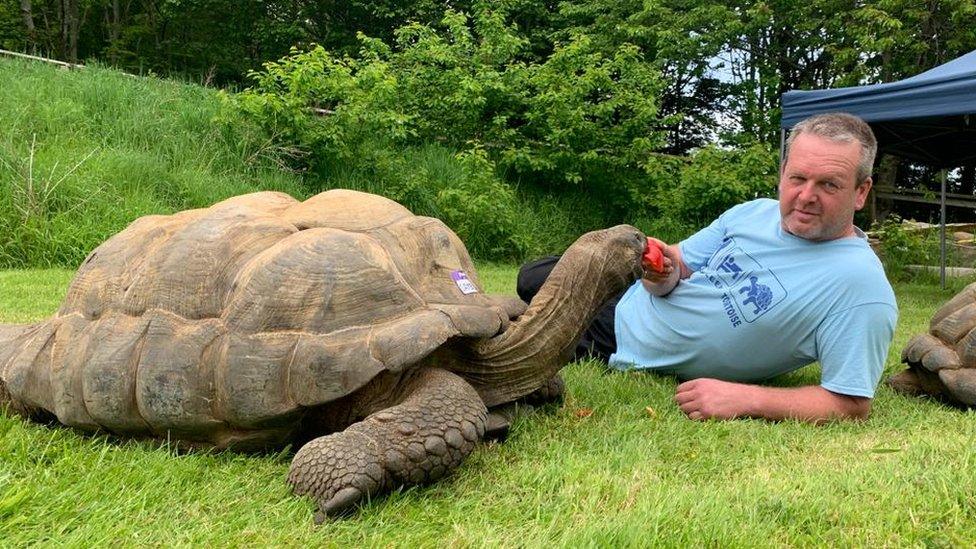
column 84, row 152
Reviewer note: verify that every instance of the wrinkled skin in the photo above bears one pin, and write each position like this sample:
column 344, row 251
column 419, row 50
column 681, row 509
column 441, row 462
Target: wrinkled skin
column 341, row 322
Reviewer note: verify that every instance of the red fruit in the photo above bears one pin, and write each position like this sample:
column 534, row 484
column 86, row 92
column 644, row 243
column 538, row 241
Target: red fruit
column 653, row 257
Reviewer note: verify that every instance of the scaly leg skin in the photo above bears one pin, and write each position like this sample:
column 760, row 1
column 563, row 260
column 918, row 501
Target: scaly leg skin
column 906, row 382
column 419, row 440
column 917, row 381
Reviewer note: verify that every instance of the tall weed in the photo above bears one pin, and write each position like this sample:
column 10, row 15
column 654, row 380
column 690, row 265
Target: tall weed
column 84, row 153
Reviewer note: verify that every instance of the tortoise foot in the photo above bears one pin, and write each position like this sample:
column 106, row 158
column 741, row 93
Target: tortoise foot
column 906, row 382
column 553, row 390
column 417, row 441
column 337, row 471
column 500, row 420
column 917, row 381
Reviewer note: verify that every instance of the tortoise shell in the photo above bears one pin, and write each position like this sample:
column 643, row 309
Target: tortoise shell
column 223, row 324
column 942, row 363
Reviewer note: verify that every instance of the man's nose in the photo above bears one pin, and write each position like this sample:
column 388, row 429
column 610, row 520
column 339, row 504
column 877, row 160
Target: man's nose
column 808, row 192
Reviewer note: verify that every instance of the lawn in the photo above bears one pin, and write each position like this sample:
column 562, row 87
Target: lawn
column 616, row 464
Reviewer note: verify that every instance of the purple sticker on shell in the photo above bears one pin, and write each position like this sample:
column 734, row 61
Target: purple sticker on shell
column 463, row 283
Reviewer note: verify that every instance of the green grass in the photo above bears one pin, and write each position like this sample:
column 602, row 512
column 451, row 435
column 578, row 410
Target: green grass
column 83, row 153
column 620, row 476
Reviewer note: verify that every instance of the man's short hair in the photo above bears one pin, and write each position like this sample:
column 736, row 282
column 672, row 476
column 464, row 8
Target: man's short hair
column 842, row 127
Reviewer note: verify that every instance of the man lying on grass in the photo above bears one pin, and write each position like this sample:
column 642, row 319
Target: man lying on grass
column 767, row 288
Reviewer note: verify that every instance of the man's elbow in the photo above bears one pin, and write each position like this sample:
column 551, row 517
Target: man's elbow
column 854, row 408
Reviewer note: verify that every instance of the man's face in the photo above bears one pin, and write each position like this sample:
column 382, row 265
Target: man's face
column 818, row 191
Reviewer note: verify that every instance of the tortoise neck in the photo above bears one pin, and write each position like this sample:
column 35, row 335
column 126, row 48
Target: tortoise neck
column 541, row 341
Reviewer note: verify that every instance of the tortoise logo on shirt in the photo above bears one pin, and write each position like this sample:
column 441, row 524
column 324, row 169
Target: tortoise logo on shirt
column 759, row 295
column 753, row 289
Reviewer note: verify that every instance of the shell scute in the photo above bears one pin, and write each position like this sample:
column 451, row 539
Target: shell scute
column 174, row 388
column 107, row 273
column 31, row 384
column 68, row 356
column 955, row 325
column 965, row 297
column 109, row 380
column 961, row 384
column 330, row 366
column 346, row 210
column 942, row 363
column 319, row 281
column 191, row 273
column 252, row 379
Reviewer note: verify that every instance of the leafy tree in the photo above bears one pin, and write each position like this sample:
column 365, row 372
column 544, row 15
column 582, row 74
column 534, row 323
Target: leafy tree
column 14, row 33
column 583, row 119
column 774, row 46
column 895, row 39
column 679, row 39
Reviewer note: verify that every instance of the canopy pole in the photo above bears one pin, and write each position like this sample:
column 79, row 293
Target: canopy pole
column 782, row 146
column 942, row 232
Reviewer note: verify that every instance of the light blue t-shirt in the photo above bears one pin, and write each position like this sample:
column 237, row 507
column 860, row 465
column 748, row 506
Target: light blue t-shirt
column 762, row 302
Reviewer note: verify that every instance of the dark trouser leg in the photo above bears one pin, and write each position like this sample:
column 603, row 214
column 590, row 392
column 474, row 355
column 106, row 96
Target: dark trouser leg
column 599, row 340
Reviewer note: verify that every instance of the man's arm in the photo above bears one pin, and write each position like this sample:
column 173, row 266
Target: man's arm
column 661, row 284
column 715, row 399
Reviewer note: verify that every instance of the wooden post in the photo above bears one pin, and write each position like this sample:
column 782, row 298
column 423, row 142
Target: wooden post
column 872, row 212
column 942, row 231
column 44, row 59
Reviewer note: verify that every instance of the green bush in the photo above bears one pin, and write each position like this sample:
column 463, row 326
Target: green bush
column 460, row 189
column 482, row 210
column 581, row 121
column 900, row 247
column 679, row 195
column 716, row 179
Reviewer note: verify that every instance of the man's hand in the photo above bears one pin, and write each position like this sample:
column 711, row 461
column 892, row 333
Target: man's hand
column 661, row 282
column 715, row 399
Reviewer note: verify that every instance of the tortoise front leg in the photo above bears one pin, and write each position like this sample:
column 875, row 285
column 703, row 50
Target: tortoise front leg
column 419, row 440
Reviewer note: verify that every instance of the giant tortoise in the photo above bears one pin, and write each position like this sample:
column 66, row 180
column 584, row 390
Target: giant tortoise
column 942, row 363
column 343, row 320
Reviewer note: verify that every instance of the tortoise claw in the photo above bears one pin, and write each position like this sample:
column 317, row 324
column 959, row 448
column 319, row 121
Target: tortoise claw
column 340, row 504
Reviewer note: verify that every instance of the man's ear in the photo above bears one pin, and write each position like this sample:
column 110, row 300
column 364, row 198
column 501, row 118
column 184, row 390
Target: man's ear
column 861, row 193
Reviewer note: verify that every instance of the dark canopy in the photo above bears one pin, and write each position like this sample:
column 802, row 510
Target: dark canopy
column 930, row 117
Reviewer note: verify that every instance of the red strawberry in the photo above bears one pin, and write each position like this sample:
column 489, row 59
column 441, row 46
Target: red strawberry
column 653, row 257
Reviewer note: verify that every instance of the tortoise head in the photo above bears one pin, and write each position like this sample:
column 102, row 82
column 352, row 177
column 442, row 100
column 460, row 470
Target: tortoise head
column 607, row 260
